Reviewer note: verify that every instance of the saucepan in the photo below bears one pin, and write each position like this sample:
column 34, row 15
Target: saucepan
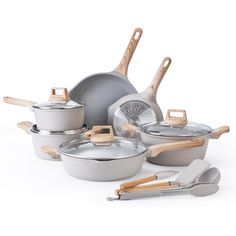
column 105, row 157
column 175, row 129
column 59, row 113
column 52, row 138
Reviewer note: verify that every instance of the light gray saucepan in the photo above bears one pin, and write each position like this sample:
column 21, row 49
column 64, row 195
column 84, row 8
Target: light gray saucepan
column 59, row 113
column 105, row 157
column 175, row 129
column 52, row 138
column 99, row 91
column 139, row 109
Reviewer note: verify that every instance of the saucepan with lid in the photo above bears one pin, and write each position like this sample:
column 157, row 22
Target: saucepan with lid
column 174, row 129
column 51, row 138
column 105, row 157
column 59, row 113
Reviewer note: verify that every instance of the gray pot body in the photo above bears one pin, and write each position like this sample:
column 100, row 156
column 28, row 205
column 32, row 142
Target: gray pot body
column 102, row 170
column 174, row 158
column 53, row 141
column 59, row 119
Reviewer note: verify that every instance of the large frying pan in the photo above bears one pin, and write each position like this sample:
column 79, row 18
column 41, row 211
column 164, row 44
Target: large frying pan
column 99, row 91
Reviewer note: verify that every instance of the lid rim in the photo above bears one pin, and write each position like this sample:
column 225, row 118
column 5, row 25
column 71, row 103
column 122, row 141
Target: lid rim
column 191, row 129
column 34, row 130
column 97, row 159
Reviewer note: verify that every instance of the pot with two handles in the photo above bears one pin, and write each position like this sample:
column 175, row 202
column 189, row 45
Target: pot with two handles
column 171, row 130
column 105, row 157
column 52, row 138
column 59, row 113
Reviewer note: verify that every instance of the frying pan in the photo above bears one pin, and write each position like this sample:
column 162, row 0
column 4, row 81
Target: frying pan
column 99, row 91
column 139, row 109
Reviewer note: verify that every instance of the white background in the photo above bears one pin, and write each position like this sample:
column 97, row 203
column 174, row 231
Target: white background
column 57, row 43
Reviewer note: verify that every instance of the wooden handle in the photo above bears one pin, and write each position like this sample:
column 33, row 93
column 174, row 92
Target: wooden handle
column 155, row 150
column 102, row 134
column 219, row 131
column 122, row 68
column 152, row 88
column 164, row 185
column 137, row 182
column 19, row 102
column 54, row 97
column 173, row 120
column 130, row 129
column 25, row 125
column 52, row 152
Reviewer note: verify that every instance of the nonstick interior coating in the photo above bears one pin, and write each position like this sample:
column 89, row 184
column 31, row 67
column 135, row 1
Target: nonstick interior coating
column 98, row 92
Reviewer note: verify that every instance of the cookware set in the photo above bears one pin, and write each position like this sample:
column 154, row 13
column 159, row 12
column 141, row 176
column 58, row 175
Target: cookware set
column 103, row 130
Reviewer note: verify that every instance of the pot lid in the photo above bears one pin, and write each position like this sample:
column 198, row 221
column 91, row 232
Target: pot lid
column 98, row 148
column 176, row 127
column 58, row 101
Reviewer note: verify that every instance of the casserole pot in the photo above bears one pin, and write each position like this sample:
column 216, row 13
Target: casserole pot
column 105, row 157
column 59, row 113
column 175, row 129
column 52, row 138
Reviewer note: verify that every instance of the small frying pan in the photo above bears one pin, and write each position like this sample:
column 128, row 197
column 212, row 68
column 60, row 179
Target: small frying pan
column 139, row 109
column 99, row 91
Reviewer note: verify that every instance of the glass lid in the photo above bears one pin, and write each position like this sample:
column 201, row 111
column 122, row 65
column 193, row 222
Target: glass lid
column 176, row 127
column 102, row 146
column 58, row 101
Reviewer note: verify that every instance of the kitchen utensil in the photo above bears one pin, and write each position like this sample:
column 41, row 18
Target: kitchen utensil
column 175, row 129
column 211, row 175
column 59, row 113
column 51, row 138
column 106, row 157
column 186, row 176
column 199, row 190
column 159, row 175
column 99, row 91
column 139, row 109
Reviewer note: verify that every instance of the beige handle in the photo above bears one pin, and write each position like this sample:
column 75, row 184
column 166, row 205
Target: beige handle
column 173, row 120
column 101, row 134
column 138, row 182
column 19, row 102
column 122, row 68
column 55, row 97
column 164, row 185
column 25, row 125
column 219, row 131
column 131, row 129
column 152, row 88
column 52, row 152
column 155, row 150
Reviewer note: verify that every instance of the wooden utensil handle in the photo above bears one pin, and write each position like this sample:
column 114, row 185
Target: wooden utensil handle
column 122, row 68
column 137, row 182
column 19, row 102
column 173, row 120
column 152, row 88
column 25, row 125
column 52, row 152
column 219, row 131
column 64, row 97
column 155, row 150
column 102, row 134
column 164, row 185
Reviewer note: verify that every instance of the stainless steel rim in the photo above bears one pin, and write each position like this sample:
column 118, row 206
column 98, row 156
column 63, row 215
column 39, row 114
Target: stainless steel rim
column 66, row 132
column 100, row 160
column 81, row 106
